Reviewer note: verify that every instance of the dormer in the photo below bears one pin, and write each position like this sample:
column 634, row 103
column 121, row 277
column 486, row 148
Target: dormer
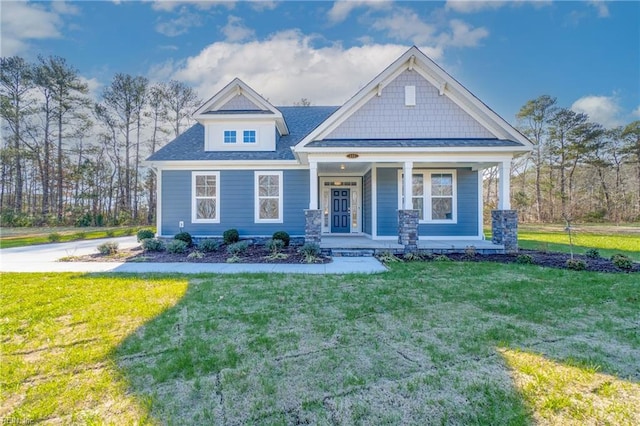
column 238, row 119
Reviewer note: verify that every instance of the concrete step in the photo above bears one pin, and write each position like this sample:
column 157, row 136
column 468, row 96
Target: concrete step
column 352, row 252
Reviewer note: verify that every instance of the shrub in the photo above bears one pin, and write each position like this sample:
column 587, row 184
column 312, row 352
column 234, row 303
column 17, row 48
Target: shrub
column 592, row 253
column 230, row 236
column 195, row 255
column 576, row 264
column 144, row 234
column 209, row 245
column 111, row 233
column 282, row 236
column 79, row 236
column 275, row 245
column 237, row 248
column 108, row 247
column 388, row 257
column 177, row 246
column 54, row 237
column 524, row 259
column 442, row 258
column 152, row 244
column 470, row 252
column 622, row 261
column 184, row 236
column 411, row 256
column 310, row 251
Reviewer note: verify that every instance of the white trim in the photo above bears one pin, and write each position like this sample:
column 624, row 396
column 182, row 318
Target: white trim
column 228, row 165
column 235, row 136
column 256, row 136
column 313, row 185
column 194, row 206
column 427, row 196
column 256, row 198
column 504, row 180
column 358, row 187
column 480, row 193
column 158, row 201
column 374, row 201
column 445, row 237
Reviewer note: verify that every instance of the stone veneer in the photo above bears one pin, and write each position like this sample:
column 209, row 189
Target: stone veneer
column 313, row 226
column 504, row 229
column 408, row 229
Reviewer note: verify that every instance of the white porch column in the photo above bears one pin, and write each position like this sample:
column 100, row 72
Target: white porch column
column 313, row 185
column 504, row 176
column 408, row 185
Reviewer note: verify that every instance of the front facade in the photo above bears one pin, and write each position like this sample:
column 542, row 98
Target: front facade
column 341, row 171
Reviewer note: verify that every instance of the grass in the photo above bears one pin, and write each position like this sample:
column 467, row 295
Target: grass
column 19, row 237
column 425, row 343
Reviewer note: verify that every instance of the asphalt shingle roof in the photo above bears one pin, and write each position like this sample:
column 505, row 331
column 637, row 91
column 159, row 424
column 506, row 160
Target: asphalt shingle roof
column 189, row 146
column 410, row 143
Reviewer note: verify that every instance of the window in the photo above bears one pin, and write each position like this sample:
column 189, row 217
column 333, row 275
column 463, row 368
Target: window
column 205, row 190
column 229, row 136
column 268, row 202
column 249, row 136
column 434, row 195
column 410, row 95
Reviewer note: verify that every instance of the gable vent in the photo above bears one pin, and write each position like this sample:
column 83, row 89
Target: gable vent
column 410, row 95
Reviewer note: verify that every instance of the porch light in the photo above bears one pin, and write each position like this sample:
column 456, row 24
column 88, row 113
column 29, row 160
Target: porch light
column 341, row 166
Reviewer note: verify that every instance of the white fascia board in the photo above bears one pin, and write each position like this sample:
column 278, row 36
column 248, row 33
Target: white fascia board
column 400, row 151
column 464, row 157
column 227, row 165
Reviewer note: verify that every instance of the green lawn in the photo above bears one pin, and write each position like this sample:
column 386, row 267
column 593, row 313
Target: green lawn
column 19, row 237
column 426, row 343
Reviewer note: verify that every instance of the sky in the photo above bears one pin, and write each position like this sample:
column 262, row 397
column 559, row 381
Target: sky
column 586, row 54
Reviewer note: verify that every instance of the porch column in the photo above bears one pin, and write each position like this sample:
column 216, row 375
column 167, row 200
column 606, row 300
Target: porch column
column 313, row 226
column 408, row 185
column 504, row 177
column 313, row 185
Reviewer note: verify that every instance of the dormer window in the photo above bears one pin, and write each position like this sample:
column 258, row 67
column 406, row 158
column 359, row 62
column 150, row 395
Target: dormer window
column 229, row 136
column 249, row 136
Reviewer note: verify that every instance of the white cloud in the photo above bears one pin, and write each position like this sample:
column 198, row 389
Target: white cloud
column 283, row 68
column 601, row 7
column 94, row 85
column 472, row 6
column 262, row 5
column 235, row 30
column 405, row 25
column 342, row 8
column 180, row 25
column 22, row 22
column 636, row 112
column 600, row 109
column 170, row 5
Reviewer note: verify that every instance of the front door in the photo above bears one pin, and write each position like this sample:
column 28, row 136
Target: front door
column 340, row 211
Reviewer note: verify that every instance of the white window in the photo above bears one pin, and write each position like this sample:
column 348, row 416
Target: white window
column 410, row 95
column 268, row 198
column 229, row 136
column 434, row 195
column 249, row 136
column 206, row 197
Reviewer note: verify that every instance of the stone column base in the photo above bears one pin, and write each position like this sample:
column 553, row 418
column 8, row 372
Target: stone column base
column 313, row 226
column 504, row 229
column 408, row 229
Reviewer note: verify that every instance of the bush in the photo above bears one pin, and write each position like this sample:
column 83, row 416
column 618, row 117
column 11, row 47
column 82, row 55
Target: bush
column 79, row 236
column 184, row 236
column 144, row 234
column 209, row 245
column 622, row 261
column 177, row 246
column 111, row 233
column 388, row 257
column 470, row 252
column 275, row 245
column 576, row 264
column 152, row 244
column 411, row 257
column 524, row 259
column 107, row 248
column 592, row 253
column 230, row 236
column 310, row 251
column 282, row 236
column 54, row 237
column 441, row 258
column 195, row 255
column 237, row 248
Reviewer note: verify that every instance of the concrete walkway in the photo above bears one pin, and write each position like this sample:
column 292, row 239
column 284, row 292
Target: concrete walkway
column 44, row 258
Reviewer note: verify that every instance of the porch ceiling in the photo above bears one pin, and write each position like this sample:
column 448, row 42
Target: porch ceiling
column 360, row 167
column 343, row 168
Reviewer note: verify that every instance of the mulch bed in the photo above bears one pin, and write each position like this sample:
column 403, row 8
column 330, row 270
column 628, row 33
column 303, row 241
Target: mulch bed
column 548, row 259
column 253, row 254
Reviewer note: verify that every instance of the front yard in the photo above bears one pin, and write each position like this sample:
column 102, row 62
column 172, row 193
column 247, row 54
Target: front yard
column 427, row 343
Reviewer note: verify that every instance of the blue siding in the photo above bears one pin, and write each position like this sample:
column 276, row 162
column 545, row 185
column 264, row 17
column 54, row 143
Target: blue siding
column 467, row 210
column 387, row 193
column 237, row 202
column 467, row 191
column 366, row 203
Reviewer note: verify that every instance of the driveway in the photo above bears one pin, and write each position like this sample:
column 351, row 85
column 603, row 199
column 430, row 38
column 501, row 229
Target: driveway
column 44, row 258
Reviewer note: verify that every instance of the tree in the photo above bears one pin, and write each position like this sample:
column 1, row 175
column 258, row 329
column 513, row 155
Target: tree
column 631, row 136
column 158, row 114
column 16, row 79
column 180, row 101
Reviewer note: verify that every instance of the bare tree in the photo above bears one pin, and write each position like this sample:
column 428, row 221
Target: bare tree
column 180, row 101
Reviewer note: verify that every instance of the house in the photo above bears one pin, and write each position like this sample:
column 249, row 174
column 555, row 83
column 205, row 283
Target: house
column 321, row 172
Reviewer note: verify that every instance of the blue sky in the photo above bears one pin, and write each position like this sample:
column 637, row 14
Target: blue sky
column 587, row 53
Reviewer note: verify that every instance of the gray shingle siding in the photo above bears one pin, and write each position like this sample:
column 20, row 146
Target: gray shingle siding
column 411, row 143
column 189, row 146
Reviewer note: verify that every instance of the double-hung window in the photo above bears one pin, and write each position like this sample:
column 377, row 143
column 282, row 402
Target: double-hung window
column 249, row 136
column 206, row 197
column 229, row 136
column 433, row 195
column 268, row 197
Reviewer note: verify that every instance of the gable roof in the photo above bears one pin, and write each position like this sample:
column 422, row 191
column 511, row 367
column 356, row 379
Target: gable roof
column 414, row 59
column 189, row 146
column 215, row 105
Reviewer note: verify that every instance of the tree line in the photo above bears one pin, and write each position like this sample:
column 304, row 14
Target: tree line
column 68, row 159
